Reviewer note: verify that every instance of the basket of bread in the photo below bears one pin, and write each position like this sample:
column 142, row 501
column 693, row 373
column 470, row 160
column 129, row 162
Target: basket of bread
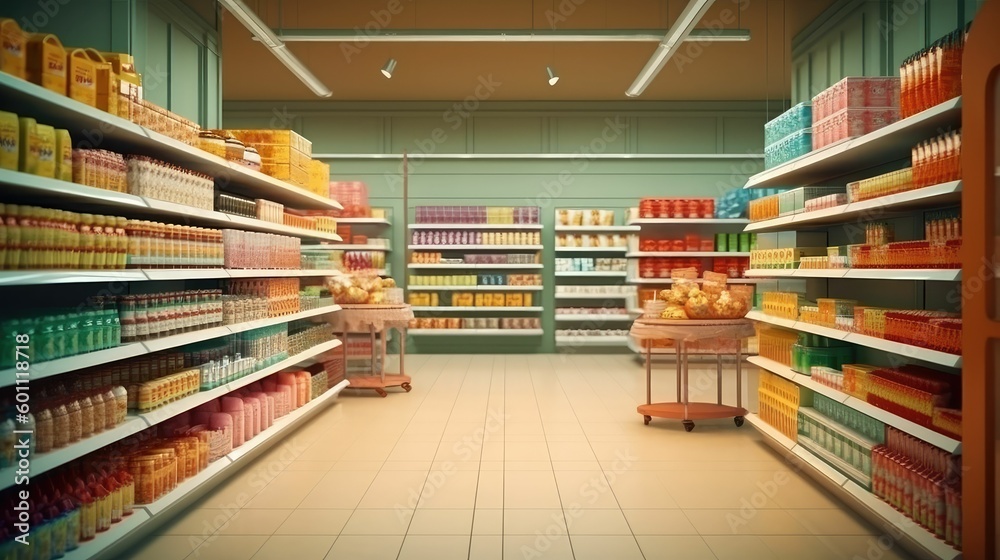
column 711, row 298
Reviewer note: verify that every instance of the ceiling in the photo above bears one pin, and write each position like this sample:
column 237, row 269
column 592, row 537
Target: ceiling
column 758, row 69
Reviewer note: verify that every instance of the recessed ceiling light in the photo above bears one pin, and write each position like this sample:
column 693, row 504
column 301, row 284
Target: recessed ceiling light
column 553, row 78
column 389, row 67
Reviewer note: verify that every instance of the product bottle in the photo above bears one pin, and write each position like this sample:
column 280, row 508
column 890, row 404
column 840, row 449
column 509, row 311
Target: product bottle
column 88, row 515
column 13, row 237
column 72, row 513
column 41, row 535
column 88, row 242
column 120, row 224
column 58, row 523
column 71, row 333
column 74, row 241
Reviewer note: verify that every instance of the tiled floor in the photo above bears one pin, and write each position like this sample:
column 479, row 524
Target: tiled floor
column 519, row 457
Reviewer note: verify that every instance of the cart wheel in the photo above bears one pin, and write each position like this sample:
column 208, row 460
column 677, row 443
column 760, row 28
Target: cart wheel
column 738, row 421
column 647, row 419
column 381, row 392
column 406, row 387
column 688, row 425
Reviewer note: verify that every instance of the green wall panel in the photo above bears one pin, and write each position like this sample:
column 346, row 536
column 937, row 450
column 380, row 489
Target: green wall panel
column 427, row 135
column 576, row 134
column 742, row 134
column 507, row 135
column 335, row 134
column 678, row 135
column 155, row 64
column 185, row 80
column 64, row 18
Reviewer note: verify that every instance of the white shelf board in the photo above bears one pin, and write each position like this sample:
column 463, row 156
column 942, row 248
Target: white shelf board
column 670, row 280
column 936, row 439
column 476, row 332
column 935, row 196
column 482, row 309
column 42, row 370
column 285, row 422
column 885, row 145
column 44, row 462
column 271, row 227
column 771, row 432
column 278, row 273
column 95, row 547
column 819, row 465
column 689, row 221
column 33, row 277
column 123, row 135
column 591, row 249
column 185, row 273
column 564, row 295
column 591, row 340
column 464, row 266
column 702, row 254
column 477, row 288
column 173, row 341
column 154, row 417
column 348, row 247
column 593, row 317
column 915, row 274
column 365, row 221
column 250, row 325
column 441, row 248
column 898, row 348
column 502, row 227
column 593, row 274
column 599, row 229
column 26, row 184
column 797, row 378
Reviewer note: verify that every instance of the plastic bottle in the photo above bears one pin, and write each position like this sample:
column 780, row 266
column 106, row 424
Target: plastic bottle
column 98, row 405
column 59, row 523
column 88, row 242
column 13, row 238
column 88, row 515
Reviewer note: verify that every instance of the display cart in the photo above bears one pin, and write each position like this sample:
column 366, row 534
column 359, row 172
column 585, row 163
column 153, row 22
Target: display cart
column 377, row 321
column 683, row 332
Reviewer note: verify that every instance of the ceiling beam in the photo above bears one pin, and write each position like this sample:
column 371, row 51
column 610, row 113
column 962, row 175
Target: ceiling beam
column 503, row 36
column 678, row 33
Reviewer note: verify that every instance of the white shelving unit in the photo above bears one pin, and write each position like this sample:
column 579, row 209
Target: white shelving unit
column 883, row 147
column 482, row 309
column 591, row 340
column 124, row 136
column 348, row 247
column 527, row 266
column 476, row 332
column 365, row 221
column 604, row 250
column 684, row 254
column 593, row 274
column 597, row 229
column 668, row 281
column 443, row 248
column 608, row 295
column 494, row 227
column 475, row 288
column 688, row 221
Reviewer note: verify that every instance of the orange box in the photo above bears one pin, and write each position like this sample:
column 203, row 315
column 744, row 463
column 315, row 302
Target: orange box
column 46, row 62
column 13, row 56
column 81, row 77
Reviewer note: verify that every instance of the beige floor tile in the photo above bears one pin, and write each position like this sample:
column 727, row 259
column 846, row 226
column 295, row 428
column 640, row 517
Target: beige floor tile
column 322, row 466
column 522, row 428
column 571, row 451
column 378, row 522
column 813, row 548
column 854, row 546
column 394, row 489
column 255, row 522
column 675, row 547
column 530, row 521
column 489, row 490
column 315, row 522
column 407, row 466
column 421, row 547
column 530, row 489
column 728, row 490
column 585, row 489
column 223, row 547
column 833, row 522
column 441, row 522
column 302, row 548
column 659, row 522
column 493, row 451
column 201, row 521
column 738, row 547
column 412, row 451
column 594, row 547
column 350, row 547
column 166, row 547
column 745, row 522
column 527, row 466
column 547, row 547
column 450, row 489
column 487, row 522
column 357, row 465
column 574, row 438
column 562, row 428
column 486, row 547
column 459, row 451
column 287, row 490
column 596, row 522
column 491, row 466
column 576, row 465
column 342, row 489
column 524, row 438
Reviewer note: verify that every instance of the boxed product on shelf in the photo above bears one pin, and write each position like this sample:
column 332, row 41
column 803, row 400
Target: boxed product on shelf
column 933, row 75
column 856, row 93
column 845, row 449
column 589, row 217
column 687, row 208
column 599, row 240
column 513, row 215
column 591, row 311
column 928, row 329
column 785, row 258
column 150, row 316
column 779, row 401
column 797, row 118
column 247, row 249
column 804, row 358
column 609, row 290
column 856, row 379
column 781, row 304
column 45, row 64
column 465, row 237
column 319, row 178
column 591, row 333
column 912, row 392
column 13, row 56
column 851, row 123
column 937, row 160
column 353, row 196
column 881, row 185
column 788, row 148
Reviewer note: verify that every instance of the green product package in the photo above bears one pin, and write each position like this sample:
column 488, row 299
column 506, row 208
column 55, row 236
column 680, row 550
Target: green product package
column 744, row 242
column 734, row 242
column 721, row 243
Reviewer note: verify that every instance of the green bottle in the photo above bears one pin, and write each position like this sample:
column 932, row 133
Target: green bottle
column 74, row 334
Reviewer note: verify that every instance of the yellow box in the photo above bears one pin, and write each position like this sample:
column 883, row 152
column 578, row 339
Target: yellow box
column 319, row 177
column 64, row 155
column 480, row 300
column 46, row 166
column 46, row 62
column 526, row 298
column 514, row 300
column 10, row 139
column 13, row 56
column 81, row 77
column 128, row 82
column 287, row 138
column 107, row 82
column 498, row 300
column 27, row 160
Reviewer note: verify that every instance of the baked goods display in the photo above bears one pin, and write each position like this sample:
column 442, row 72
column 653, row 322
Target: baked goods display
column 709, row 299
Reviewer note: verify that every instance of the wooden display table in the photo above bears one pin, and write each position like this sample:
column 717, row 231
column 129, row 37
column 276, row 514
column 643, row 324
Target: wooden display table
column 375, row 319
column 682, row 332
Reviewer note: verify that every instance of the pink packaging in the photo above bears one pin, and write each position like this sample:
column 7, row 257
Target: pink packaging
column 234, row 406
column 851, row 123
column 201, row 416
column 211, row 406
column 269, row 385
column 856, row 93
column 271, row 404
column 279, row 403
column 288, row 379
column 254, row 405
column 266, row 416
column 305, row 386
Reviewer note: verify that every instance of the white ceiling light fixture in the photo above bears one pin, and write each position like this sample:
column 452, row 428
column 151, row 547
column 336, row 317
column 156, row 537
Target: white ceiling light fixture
column 263, row 33
column 507, row 36
column 389, row 68
column 553, row 77
column 686, row 21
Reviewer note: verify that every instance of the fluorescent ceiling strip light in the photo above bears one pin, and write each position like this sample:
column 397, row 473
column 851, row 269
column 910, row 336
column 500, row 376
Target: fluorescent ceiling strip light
column 506, row 36
column 263, row 33
column 681, row 28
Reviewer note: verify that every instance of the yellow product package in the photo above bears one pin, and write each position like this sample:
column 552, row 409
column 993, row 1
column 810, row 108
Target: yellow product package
column 13, row 54
column 10, row 138
column 46, row 135
column 107, row 82
column 46, row 62
column 28, row 156
column 64, row 155
column 81, row 77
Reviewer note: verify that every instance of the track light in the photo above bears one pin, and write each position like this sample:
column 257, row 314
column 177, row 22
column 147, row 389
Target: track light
column 553, row 77
column 389, row 67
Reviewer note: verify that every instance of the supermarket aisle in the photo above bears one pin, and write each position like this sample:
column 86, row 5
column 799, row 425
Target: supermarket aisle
column 518, row 457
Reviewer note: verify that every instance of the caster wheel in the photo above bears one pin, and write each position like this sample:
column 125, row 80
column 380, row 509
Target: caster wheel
column 381, row 393
column 688, row 425
column 738, row 421
column 406, row 387
column 646, row 420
